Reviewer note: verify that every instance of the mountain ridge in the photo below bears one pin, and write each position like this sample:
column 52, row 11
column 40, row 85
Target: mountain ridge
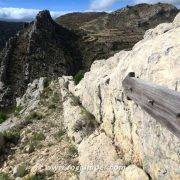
column 47, row 49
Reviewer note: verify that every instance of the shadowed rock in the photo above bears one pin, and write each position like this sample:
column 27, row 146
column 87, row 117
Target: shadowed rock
column 42, row 49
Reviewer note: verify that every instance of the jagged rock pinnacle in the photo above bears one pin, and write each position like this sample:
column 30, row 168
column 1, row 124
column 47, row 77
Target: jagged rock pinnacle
column 44, row 19
column 45, row 14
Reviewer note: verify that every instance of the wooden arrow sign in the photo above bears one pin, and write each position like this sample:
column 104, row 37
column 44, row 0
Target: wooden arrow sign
column 160, row 102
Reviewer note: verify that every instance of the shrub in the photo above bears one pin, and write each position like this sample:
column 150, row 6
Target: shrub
column 55, row 98
column 52, row 106
column 4, row 176
column 39, row 176
column 35, row 140
column 75, row 100
column 72, row 151
column 34, row 115
column 92, row 120
column 38, row 136
column 3, row 117
column 46, row 82
column 78, row 126
column 59, row 135
column 18, row 110
column 11, row 135
column 79, row 76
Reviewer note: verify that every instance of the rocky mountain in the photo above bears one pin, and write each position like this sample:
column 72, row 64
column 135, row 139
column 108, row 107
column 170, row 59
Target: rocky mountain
column 91, row 131
column 121, row 29
column 45, row 49
column 7, row 30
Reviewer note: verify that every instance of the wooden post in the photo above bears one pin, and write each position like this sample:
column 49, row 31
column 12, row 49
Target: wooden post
column 160, row 102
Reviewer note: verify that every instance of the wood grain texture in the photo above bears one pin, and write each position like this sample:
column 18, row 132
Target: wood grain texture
column 160, row 102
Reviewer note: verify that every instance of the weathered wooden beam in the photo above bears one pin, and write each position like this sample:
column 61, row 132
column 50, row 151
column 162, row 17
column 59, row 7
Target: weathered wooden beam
column 160, row 102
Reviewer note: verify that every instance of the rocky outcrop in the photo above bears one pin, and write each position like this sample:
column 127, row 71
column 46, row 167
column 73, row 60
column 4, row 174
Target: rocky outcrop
column 77, row 120
column 97, row 154
column 42, row 149
column 31, row 99
column 42, row 49
column 139, row 139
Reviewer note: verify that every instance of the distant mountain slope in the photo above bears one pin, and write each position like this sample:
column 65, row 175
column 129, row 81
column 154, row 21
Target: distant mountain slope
column 77, row 19
column 132, row 18
column 121, row 29
column 7, row 30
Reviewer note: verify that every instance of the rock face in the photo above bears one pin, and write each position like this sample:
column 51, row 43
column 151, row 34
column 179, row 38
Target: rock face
column 7, row 30
column 108, row 33
column 43, row 48
column 98, row 158
column 138, row 138
column 77, row 120
column 30, row 100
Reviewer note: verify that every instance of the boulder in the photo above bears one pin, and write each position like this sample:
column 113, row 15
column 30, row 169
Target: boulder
column 30, row 100
column 132, row 172
column 98, row 158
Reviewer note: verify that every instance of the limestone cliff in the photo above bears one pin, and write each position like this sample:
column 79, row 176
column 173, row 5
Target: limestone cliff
column 138, row 138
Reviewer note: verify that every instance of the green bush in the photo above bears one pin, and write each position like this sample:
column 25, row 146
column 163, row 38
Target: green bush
column 34, row 115
column 3, row 117
column 55, row 98
column 4, row 176
column 46, row 82
column 72, row 151
column 39, row 176
column 52, row 106
column 79, row 76
column 18, row 110
column 59, row 135
column 11, row 135
column 38, row 136
column 35, row 140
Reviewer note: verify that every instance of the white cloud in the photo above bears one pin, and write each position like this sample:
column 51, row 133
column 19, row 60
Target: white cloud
column 22, row 14
column 101, row 4
column 175, row 2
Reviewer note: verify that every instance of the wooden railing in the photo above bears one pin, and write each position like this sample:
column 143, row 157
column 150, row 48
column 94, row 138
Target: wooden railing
column 160, row 102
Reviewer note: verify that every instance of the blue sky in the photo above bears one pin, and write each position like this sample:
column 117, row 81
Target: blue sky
column 61, row 5
column 27, row 9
